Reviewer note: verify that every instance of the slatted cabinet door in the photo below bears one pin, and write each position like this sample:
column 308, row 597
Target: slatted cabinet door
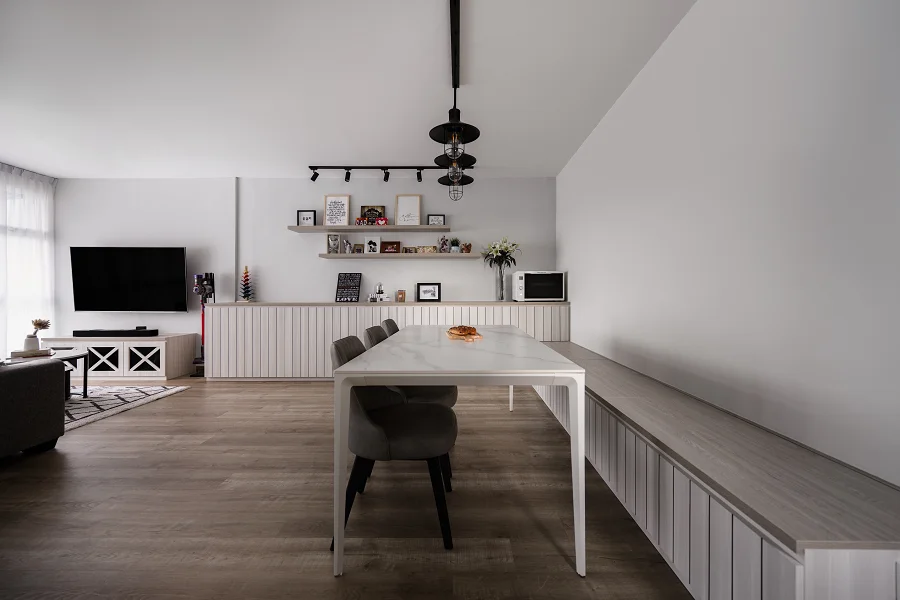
column 746, row 562
column 699, row 577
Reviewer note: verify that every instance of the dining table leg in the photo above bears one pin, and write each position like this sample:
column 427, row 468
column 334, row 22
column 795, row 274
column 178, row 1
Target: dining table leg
column 342, row 390
column 511, row 398
column 576, row 435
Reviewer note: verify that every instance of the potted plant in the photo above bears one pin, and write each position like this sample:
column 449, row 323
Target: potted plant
column 500, row 255
column 31, row 341
column 454, row 245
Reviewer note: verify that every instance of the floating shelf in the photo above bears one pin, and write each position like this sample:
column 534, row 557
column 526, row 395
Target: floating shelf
column 402, row 255
column 370, row 228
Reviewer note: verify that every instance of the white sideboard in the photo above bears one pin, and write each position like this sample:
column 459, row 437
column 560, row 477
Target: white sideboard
column 155, row 358
column 292, row 341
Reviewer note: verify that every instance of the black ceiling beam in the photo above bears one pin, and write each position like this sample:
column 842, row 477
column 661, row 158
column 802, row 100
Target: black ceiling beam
column 376, row 168
column 454, row 42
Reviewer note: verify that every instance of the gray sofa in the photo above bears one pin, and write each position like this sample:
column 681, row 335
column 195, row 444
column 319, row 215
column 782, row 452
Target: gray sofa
column 32, row 405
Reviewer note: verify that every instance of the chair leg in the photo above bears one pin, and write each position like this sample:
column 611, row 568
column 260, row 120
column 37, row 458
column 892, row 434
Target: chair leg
column 446, row 474
column 360, row 467
column 434, row 469
column 365, row 478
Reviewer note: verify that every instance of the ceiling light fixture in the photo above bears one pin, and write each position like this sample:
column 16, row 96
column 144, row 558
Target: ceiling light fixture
column 347, row 176
column 387, row 174
column 419, row 175
column 315, row 176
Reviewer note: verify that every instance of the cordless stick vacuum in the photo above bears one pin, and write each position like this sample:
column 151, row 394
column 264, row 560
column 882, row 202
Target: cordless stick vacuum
column 205, row 287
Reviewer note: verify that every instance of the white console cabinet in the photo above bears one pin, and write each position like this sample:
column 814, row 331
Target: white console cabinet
column 158, row 357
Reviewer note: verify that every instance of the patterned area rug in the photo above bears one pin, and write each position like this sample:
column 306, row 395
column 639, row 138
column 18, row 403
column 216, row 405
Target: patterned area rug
column 107, row 400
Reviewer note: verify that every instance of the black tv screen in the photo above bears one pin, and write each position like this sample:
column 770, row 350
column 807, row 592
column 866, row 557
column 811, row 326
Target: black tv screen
column 129, row 279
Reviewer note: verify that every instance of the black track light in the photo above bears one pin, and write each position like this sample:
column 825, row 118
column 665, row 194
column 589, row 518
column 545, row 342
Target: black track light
column 347, row 176
column 315, row 176
column 387, row 174
column 419, row 175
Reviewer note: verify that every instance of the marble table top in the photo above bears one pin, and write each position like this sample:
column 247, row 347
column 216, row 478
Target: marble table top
column 427, row 349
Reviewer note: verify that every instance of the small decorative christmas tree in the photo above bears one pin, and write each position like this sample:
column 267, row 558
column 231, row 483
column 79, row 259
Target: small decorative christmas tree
column 246, row 286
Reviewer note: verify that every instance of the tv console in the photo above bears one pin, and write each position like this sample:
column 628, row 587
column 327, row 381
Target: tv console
column 117, row 333
column 147, row 357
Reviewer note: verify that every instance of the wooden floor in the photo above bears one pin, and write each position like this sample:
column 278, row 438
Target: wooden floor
column 224, row 491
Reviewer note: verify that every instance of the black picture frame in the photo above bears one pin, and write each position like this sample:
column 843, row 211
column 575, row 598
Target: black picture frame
column 443, row 219
column 306, row 211
column 419, row 297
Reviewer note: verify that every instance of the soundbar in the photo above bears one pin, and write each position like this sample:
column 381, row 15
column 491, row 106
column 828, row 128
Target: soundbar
column 123, row 333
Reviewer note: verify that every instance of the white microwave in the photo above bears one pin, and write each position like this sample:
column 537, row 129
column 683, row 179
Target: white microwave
column 539, row 286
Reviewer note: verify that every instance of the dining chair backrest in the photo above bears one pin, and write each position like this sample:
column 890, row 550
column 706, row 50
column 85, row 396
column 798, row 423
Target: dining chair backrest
column 346, row 349
column 374, row 336
column 371, row 397
column 390, row 327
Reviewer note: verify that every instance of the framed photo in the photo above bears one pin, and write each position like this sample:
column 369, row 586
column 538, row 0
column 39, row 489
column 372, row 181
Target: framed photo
column 428, row 292
column 437, row 220
column 334, row 243
column 408, row 210
column 401, row 295
column 337, row 210
column 426, row 249
column 381, row 221
column 362, row 221
column 373, row 245
column 306, row 218
column 358, row 248
column 409, row 250
column 390, row 247
column 371, row 213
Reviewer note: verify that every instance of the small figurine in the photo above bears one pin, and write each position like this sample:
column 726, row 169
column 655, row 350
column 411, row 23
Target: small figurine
column 348, row 247
column 444, row 245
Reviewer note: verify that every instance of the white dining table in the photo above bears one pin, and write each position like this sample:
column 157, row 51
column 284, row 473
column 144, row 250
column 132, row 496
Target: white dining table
column 424, row 355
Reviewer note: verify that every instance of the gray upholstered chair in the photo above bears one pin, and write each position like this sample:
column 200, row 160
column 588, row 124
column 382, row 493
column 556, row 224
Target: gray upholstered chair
column 32, row 405
column 390, row 327
column 445, row 395
column 383, row 427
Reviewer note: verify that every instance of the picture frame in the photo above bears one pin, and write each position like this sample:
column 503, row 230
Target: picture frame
column 390, row 247
column 306, row 218
column 409, row 250
column 408, row 209
column 371, row 213
column 359, row 248
column 337, row 210
column 372, row 245
column 333, row 244
column 437, row 220
column 426, row 249
column 428, row 292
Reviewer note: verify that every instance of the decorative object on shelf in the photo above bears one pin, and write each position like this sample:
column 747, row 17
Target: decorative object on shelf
column 337, row 210
column 381, row 221
column 426, row 249
column 306, row 218
column 408, row 209
column 428, row 292
column 348, row 247
column 334, row 243
column 372, row 213
column 246, row 292
column 454, row 245
column 437, row 220
column 466, row 248
column 373, row 245
column 401, row 295
column 31, row 340
column 444, row 245
column 409, row 250
column 390, row 247
column 359, row 249
column 362, row 221
column 500, row 255
column 348, row 287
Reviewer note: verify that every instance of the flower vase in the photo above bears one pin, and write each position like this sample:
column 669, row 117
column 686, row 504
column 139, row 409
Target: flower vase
column 31, row 343
column 501, row 284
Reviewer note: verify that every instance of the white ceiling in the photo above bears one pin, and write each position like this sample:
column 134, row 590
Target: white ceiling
column 209, row 88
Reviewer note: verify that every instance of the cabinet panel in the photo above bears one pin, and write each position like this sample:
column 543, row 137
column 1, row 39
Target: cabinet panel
column 105, row 359
column 782, row 575
column 640, row 482
column 699, row 579
column 666, row 508
column 613, row 447
column 720, row 521
column 653, row 494
column 144, row 359
column 746, row 569
column 621, row 457
column 630, row 473
column 682, row 526
column 78, row 365
column 604, row 444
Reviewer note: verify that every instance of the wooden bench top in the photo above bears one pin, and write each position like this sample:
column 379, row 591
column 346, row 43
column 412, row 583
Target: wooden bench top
column 803, row 499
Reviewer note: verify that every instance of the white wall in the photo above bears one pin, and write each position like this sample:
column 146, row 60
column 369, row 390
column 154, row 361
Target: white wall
column 732, row 226
column 286, row 266
column 198, row 214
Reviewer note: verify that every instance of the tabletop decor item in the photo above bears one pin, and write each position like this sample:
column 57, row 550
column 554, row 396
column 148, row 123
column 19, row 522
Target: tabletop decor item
column 444, row 245
column 390, row 247
column 362, row 221
column 454, row 245
column 348, row 247
column 373, row 245
column 348, row 287
column 358, row 249
column 409, row 250
column 401, row 295
column 372, row 213
column 337, row 210
column 436, row 220
column 426, row 249
column 381, row 221
column 466, row 248
column 408, row 209
column 334, row 243
column 306, row 218
column 246, row 287
column 31, row 341
column 500, row 255
column 428, row 292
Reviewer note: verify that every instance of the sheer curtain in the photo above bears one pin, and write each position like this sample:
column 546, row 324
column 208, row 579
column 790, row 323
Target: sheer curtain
column 26, row 254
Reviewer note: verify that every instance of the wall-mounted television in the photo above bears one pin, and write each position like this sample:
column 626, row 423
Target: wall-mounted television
column 109, row 279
